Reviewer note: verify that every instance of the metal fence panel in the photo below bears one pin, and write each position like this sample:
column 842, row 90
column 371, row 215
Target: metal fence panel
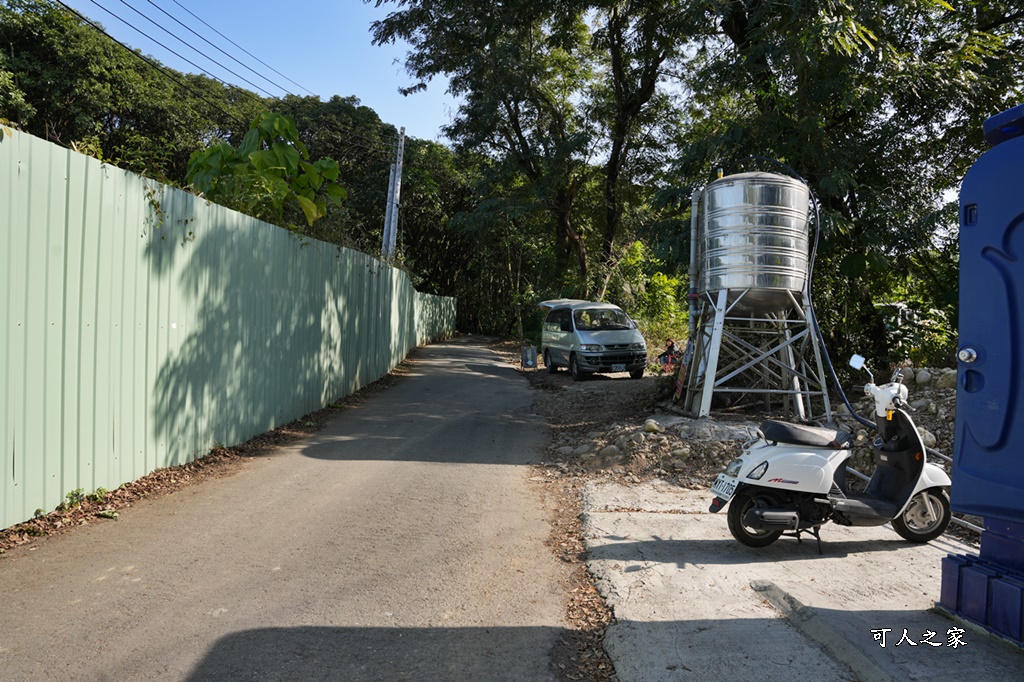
column 143, row 326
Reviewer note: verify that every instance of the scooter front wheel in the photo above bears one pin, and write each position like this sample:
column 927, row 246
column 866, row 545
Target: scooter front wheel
column 917, row 524
column 738, row 508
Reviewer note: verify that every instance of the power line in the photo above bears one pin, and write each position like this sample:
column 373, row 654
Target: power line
column 244, row 50
column 369, row 145
column 153, row 64
column 242, row 90
column 176, row 37
column 176, row 54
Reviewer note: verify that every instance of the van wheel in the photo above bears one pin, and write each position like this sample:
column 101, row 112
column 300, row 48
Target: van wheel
column 636, row 373
column 552, row 367
column 574, row 368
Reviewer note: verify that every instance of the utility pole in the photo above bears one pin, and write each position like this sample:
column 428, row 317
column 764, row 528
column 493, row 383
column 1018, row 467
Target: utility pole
column 387, row 249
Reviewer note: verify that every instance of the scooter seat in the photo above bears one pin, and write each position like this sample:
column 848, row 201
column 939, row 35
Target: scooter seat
column 800, row 434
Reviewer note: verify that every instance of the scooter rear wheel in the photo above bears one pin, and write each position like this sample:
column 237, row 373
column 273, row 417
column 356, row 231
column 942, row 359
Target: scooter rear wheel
column 738, row 508
column 915, row 524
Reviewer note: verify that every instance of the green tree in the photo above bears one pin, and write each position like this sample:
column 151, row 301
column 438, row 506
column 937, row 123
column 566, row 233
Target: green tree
column 74, row 86
column 878, row 106
column 511, row 257
column 564, row 95
column 635, row 40
column 517, row 67
column 60, row 66
column 363, row 147
column 13, row 105
column 269, row 175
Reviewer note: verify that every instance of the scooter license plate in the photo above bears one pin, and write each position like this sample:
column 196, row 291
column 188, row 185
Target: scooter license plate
column 724, row 486
column 619, row 368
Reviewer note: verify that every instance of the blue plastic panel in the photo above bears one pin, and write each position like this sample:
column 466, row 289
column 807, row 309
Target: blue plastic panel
column 988, row 458
column 1005, row 126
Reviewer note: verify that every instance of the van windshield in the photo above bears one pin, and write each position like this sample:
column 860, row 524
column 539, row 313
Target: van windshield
column 589, row 319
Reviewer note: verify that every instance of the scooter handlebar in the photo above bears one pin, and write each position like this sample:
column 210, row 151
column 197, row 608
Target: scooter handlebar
column 902, row 404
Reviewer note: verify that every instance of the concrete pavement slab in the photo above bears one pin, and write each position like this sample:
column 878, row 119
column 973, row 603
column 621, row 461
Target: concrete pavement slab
column 693, row 603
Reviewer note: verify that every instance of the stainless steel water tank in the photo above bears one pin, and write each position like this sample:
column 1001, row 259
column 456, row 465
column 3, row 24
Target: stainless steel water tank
column 753, row 235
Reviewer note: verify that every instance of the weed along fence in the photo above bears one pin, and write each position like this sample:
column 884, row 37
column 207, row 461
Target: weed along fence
column 142, row 325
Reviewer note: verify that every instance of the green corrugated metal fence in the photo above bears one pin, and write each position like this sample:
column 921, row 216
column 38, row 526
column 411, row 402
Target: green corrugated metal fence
column 143, row 325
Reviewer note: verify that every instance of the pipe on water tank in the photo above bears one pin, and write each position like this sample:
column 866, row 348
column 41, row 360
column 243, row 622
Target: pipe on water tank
column 692, row 297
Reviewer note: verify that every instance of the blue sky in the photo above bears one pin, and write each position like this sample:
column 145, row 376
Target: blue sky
column 323, row 45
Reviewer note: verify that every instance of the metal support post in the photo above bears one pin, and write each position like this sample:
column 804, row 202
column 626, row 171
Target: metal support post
column 394, row 201
column 716, row 344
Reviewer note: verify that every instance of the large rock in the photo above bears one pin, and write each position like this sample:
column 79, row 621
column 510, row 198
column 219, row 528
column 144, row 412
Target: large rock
column 947, row 379
column 652, row 426
column 927, row 437
column 682, row 451
column 923, row 377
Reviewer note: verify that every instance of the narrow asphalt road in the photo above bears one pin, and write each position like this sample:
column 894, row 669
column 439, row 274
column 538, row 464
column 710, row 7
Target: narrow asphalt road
column 402, row 542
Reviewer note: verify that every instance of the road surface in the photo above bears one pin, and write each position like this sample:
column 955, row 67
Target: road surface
column 404, row 541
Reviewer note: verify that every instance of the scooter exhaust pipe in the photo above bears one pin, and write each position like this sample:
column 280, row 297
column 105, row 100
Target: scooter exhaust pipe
column 768, row 519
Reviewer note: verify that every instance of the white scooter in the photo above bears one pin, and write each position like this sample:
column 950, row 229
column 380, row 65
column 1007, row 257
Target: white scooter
column 792, row 477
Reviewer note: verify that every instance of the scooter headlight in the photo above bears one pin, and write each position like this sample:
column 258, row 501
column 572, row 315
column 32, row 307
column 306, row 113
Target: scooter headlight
column 757, row 473
column 734, row 467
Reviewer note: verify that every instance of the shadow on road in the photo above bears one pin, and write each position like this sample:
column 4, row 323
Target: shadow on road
column 458, row 406
column 917, row 645
column 875, row 643
column 703, row 552
column 380, row 653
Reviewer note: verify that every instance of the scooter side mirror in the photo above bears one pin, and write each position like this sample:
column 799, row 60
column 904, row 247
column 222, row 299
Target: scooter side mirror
column 858, row 362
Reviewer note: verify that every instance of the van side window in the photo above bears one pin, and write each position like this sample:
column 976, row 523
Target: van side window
column 553, row 322
column 566, row 321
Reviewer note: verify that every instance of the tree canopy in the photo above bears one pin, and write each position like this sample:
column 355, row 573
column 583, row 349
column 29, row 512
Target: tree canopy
column 878, row 106
column 581, row 131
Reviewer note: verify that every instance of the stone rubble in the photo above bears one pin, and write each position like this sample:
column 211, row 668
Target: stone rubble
column 691, row 452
